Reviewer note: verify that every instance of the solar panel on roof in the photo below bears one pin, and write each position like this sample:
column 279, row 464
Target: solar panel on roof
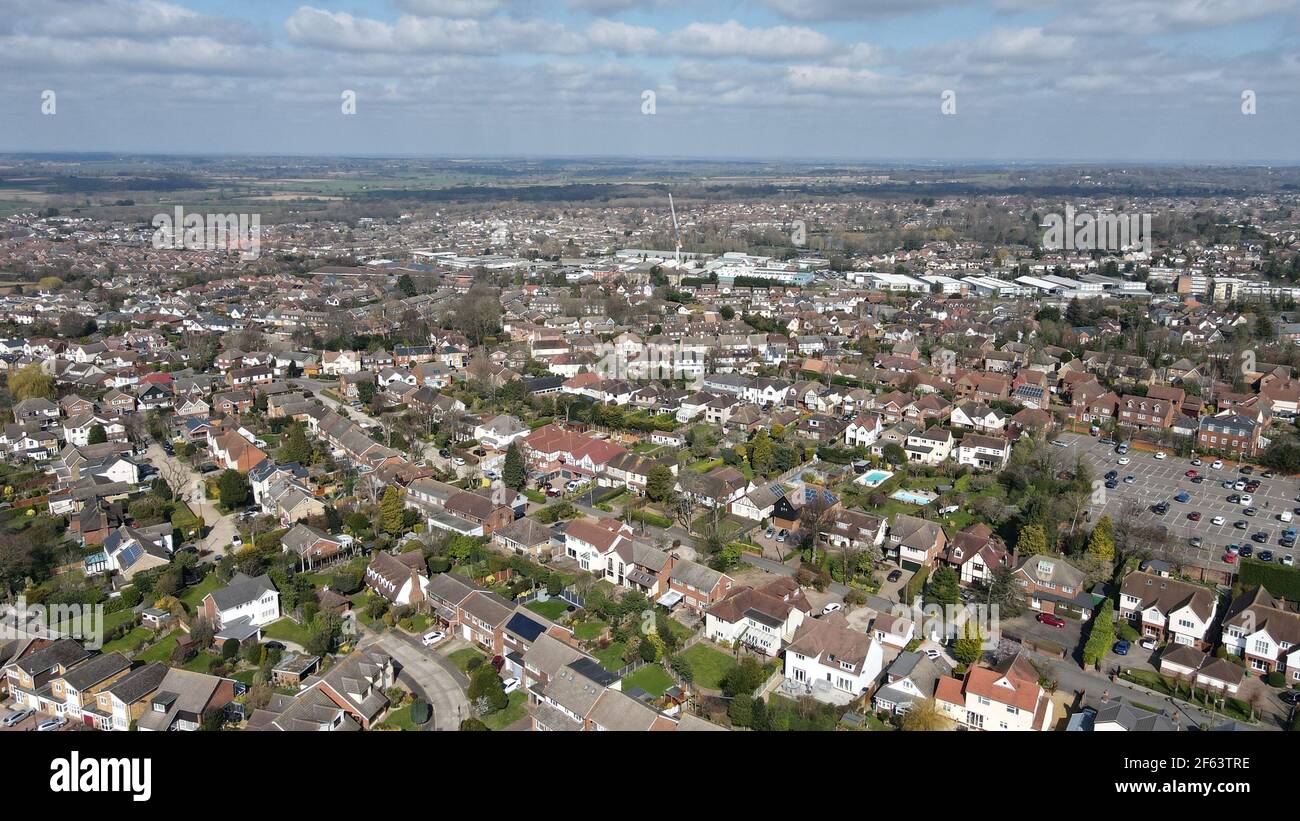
column 525, row 627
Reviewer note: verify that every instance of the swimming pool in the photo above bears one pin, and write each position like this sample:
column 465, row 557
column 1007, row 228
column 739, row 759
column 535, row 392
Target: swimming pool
column 915, row 498
column 874, row 478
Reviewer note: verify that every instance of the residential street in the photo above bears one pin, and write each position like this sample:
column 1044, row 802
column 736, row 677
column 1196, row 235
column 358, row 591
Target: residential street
column 431, row 675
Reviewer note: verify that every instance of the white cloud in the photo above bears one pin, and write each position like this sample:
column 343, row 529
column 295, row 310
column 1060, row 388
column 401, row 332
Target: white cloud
column 731, row 39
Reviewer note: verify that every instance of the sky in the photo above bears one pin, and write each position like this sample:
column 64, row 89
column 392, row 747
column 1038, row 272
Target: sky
column 869, row 80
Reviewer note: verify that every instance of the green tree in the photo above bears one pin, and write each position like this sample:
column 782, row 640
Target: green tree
column 944, row 587
column 659, row 483
column 486, row 692
column 390, row 510
column 1032, row 541
column 295, row 447
column 925, row 716
column 233, row 489
column 894, row 454
column 97, row 435
column 515, row 472
column 1101, row 636
column 1101, row 543
column 365, row 392
column 970, row 646
column 761, row 453
column 30, row 382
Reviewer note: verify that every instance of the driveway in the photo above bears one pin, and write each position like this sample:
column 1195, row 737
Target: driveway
column 221, row 528
column 430, row 675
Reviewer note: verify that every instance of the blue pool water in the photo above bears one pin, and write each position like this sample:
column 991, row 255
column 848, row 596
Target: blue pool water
column 908, row 496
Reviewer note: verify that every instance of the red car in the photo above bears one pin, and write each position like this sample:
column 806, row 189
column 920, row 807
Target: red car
column 1191, row 474
column 1194, row 516
column 1228, row 558
column 1050, row 620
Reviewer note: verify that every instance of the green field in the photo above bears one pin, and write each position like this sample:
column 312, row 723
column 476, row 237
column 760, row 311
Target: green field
column 709, row 665
column 650, row 678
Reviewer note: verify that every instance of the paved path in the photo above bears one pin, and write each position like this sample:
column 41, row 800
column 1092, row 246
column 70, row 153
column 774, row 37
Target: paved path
column 432, row 676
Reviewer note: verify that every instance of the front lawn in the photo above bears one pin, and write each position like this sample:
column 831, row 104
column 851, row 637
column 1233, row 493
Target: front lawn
column 461, row 658
column 709, row 665
column 512, row 712
column 650, row 678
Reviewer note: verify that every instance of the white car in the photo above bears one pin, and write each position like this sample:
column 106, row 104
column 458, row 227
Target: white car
column 510, row 685
column 832, row 607
column 1124, row 460
column 1239, row 485
column 51, row 724
column 932, row 654
column 1288, row 560
column 1218, row 520
column 433, row 637
column 1147, row 644
column 1217, row 464
column 1160, row 454
column 1060, row 443
column 1246, row 499
column 458, row 461
column 236, row 541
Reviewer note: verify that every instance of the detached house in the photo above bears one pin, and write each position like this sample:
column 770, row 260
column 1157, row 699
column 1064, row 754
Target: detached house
column 763, row 619
column 915, row 542
column 1168, row 609
column 1052, row 585
column 1259, row 629
column 402, row 579
column 834, row 663
column 240, row 609
column 1005, row 697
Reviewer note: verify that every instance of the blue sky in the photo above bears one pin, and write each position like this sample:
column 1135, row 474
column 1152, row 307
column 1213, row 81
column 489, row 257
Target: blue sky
column 1034, row 80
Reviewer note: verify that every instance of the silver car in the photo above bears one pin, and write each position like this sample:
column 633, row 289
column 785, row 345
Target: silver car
column 18, row 716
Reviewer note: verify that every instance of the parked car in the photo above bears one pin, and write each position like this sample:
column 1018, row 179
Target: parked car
column 771, row 531
column 18, row 716
column 1246, row 551
column 894, row 575
column 1050, row 620
column 458, row 461
column 1160, row 454
column 1229, row 558
column 1191, row 474
column 1121, row 648
column 510, row 685
column 433, row 637
column 1288, row 560
column 1265, row 556
column 1217, row 464
column 1241, row 524
column 1218, row 520
column 1245, row 499
column 1291, row 697
column 932, row 654
column 1147, row 644
column 1123, row 460
column 781, row 534
column 49, row 724
column 1060, row 443
column 236, row 542
column 1194, row 516
column 1130, row 479
column 831, row 608
column 1183, row 497
column 1197, row 462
